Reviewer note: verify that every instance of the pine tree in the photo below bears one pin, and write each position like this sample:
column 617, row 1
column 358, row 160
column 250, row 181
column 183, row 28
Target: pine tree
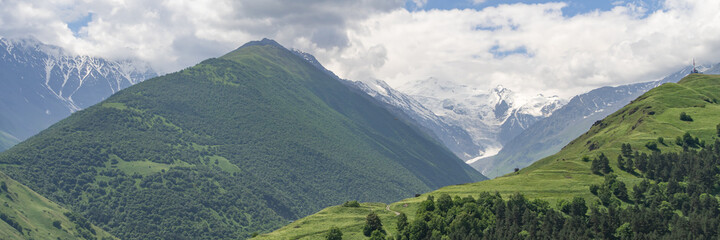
column 601, row 165
column 372, row 223
column 620, row 190
column 688, row 140
column 377, row 235
column 605, row 163
column 596, row 167
column 578, row 207
column 629, row 165
column 641, row 162
column 402, row 222
column 626, row 150
column 621, row 162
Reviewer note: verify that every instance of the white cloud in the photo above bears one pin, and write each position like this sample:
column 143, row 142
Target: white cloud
column 565, row 56
column 173, row 34
column 378, row 39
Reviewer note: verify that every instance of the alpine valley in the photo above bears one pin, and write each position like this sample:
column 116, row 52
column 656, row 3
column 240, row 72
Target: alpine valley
column 646, row 171
column 238, row 144
column 496, row 131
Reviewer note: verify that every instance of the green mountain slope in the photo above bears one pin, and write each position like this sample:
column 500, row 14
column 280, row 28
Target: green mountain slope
column 233, row 145
column 25, row 214
column 7, row 141
column 565, row 175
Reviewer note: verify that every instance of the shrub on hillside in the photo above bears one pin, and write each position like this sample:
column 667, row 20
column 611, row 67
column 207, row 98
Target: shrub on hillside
column 652, row 146
column 685, row 117
column 334, row 234
column 351, row 204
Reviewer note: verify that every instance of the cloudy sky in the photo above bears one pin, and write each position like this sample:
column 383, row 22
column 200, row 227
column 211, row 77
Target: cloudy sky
column 562, row 47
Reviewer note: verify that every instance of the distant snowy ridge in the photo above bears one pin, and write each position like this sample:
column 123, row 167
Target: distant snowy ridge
column 42, row 84
column 65, row 74
column 453, row 137
column 491, row 117
column 549, row 135
column 472, row 123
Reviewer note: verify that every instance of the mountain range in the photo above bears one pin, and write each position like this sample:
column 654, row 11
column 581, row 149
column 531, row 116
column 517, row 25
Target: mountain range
column 490, row 117
column 547, row 136
column 263, row 135
column 495, row 131
column 43, row 84
column 471, row 123
column 405, row 107
column 656, row 137
column 234, row 145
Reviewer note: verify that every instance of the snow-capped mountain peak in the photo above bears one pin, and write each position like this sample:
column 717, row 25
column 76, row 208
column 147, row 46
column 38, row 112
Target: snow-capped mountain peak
column 491, row 116
column 541, row 105
column 73, row 79
column 473, row 123
column 42, row 83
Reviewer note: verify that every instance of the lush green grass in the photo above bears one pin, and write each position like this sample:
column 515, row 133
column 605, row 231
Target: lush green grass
column 565, row 175
column 350, row 219
column 231, row 146
column 35, row 215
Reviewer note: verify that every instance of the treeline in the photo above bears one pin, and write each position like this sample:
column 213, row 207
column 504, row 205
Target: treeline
column 677, row 199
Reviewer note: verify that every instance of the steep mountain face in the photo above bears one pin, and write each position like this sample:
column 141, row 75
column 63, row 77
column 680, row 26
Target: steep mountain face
column 549, row 135
column 490, row 118
column 455, row 138
column 471, row 123
column 233, row 145
column 42, row 84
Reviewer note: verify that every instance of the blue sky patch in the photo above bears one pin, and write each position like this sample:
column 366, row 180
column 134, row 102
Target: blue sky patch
column 574, row 7
column 495, row 50
column 76, row 25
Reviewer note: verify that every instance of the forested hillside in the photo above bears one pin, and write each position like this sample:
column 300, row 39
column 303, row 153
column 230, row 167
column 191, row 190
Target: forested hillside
column 25, row 214
column 647, row 171
column 677, row 199
column 234, row 145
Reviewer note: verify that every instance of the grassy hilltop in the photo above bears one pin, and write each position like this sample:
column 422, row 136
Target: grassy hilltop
column 562, row 176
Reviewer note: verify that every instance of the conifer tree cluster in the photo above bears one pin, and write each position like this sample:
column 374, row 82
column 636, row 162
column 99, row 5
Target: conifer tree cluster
column 601, row 165
column 678, row 199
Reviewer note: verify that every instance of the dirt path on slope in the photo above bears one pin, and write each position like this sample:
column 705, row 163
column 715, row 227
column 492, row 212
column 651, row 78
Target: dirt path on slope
column 387, row 207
